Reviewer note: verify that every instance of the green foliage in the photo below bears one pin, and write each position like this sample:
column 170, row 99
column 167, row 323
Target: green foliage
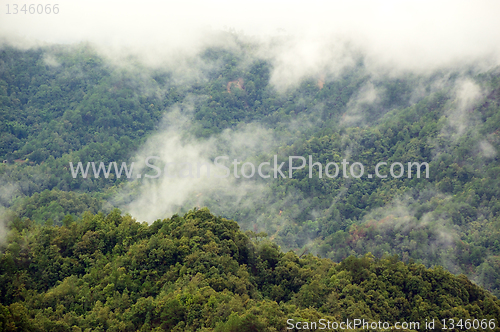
column 60, row 104
column 78, row 110
column 56, row 205
column 200, row 272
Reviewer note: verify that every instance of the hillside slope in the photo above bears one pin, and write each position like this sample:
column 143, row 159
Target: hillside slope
column 62, row 104
column 200, row 272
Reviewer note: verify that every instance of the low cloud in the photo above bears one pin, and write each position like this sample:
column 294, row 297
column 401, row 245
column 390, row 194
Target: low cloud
column 459, row 115
column 50, row 60
column 186, row 159
column 487, row 150
column 301, row 39
column 400, row 217
column 358, row 105
column 467, row 94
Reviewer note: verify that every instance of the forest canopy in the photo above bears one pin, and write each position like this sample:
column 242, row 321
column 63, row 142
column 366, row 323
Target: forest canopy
column 200, row 272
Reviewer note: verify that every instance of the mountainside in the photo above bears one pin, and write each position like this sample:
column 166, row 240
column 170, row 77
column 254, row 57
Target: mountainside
column 224, row 166
column 199, row 272
column 63, row 104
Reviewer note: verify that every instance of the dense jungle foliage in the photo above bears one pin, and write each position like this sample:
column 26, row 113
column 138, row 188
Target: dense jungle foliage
column 68, row 259
column 200, row 272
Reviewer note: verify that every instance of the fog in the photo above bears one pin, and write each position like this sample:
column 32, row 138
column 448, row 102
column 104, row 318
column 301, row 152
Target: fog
column 467, row 94
column 182, row 163
column 301, row 39
column 398, row 216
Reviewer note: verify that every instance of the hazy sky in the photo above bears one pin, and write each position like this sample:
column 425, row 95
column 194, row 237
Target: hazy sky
column 410, row 35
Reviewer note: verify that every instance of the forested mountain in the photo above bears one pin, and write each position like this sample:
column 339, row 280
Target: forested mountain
column 395, row 248
column 199, row 272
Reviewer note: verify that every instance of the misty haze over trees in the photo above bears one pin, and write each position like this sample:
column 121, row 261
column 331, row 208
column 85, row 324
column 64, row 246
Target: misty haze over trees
column 143, row 254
